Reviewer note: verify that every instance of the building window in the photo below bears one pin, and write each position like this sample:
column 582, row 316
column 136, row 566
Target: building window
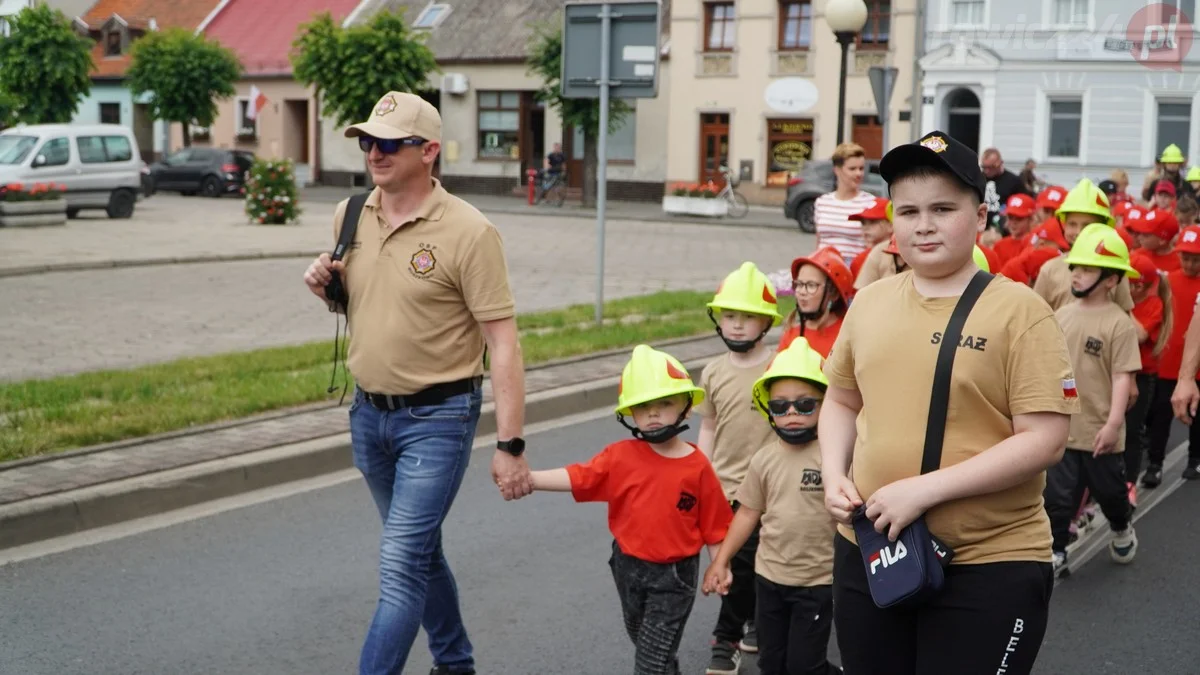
column 875, row 33
column 1170, row 7
column 247, row 129
column 720, row 27
column 110, row 113
column 112, row 43
column 432, row 15
column 795, row 24
column 1174, row 124
column 1070, row 12
column 3, row 27
column 500, row 125
column 789, row 146
column 1066, row 122
column 967, row 12
column 621, row 143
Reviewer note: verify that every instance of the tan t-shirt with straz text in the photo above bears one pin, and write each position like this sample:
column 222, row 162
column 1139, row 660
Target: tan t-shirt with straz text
column 741, row 428
column 419, row 292
column 1102, row 341
column 1012, row 360
column 1054, row 285
column 795, row 545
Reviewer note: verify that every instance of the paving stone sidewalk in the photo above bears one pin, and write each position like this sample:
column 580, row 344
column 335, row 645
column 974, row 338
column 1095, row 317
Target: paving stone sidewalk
column 27, row 479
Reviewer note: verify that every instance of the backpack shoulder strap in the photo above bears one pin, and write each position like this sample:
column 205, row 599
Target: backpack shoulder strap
column 939, row 399
column 349, row 224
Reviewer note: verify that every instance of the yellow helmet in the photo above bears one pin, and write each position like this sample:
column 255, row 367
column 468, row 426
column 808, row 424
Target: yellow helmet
column 1193, row 174
column 981, row 260
column 748, row 290
column 1171, row 155
column 651, row 375
column 1085, row 197
column 799, row 361
column 1101, row 246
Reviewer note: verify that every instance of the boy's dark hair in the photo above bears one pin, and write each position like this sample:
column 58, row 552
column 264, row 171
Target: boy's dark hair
column 919, row 171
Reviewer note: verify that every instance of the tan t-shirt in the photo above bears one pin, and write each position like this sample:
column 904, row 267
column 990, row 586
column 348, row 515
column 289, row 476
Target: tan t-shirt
column 741, row 428
column 795, row 546
column 878, row 265
column 1102, row 341
column 1054, row 285
column 419, row 292
column 1012, row 360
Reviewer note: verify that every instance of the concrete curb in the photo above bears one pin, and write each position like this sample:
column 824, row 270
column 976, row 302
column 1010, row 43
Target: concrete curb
column 151, row 262
column 74, row 511
column 579, row 212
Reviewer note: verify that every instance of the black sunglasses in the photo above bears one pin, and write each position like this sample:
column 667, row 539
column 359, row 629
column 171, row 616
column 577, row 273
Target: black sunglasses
column 778, row 407
column 388, row 146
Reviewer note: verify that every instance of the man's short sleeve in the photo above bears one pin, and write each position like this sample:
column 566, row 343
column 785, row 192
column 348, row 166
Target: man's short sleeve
column 1040, row 378
column 706, row 408
column 589, row 480
column 839, row 365
column 752, row 492
column 484, row 275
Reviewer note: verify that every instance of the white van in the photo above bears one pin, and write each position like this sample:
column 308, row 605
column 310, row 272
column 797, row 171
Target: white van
column 98, row 163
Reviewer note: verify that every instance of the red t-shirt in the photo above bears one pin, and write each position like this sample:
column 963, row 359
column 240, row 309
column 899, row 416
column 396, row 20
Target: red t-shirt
column 1009, row 248
column 821, row 339
column 994, row 262
column 1149, row 313
column 1165, row 263
column 1024, row 268
column 857, row 263
column 660, row 510
column 1184, row 292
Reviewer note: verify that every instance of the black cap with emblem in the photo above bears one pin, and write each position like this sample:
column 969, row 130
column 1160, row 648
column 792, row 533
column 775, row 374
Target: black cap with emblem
column 938, row 149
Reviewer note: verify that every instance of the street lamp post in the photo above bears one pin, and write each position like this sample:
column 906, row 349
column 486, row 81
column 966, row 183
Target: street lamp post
column 846, row 18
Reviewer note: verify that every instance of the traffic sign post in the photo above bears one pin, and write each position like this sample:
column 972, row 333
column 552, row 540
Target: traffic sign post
column 883, row 81
column 625, row 35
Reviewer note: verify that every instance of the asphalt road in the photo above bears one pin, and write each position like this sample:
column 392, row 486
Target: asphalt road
column 288, row 587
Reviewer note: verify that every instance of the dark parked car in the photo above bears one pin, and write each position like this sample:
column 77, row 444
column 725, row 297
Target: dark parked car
column 209, row 171
column 815, row 180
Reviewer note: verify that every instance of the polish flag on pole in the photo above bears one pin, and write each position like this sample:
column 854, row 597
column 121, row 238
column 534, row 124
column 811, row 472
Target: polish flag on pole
column 258, row 101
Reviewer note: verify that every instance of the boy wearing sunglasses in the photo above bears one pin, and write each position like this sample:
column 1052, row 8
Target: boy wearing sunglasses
column 743, row 311
column 664, row 505
column 782, row 491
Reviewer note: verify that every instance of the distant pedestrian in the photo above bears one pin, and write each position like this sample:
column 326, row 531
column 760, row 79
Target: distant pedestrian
column 832, row 211
column 428, row 295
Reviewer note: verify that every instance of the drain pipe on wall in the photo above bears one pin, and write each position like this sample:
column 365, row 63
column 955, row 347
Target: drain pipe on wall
column 917, row 102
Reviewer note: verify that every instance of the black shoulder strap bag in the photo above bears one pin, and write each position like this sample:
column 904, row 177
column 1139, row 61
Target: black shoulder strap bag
column 909, row 570
column 335, row 290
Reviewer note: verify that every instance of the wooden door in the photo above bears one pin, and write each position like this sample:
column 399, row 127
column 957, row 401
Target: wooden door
column 868, row 132
column 573, row 151
column 714, row 147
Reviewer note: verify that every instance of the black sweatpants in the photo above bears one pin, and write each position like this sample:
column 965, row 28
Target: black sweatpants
column 737, row 606
column 656, row 600
column 988, row 618
column 794, row 623
column 1135, row 426
column 1160, row 426
column 1103, row 477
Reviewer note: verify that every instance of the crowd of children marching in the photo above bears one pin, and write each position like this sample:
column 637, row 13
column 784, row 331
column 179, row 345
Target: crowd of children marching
column 1123, row 278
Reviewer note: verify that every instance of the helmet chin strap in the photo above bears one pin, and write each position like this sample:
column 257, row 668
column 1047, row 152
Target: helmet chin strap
column 661, row 434
column 1104, row 274
column 739, row 346
column 795, row 436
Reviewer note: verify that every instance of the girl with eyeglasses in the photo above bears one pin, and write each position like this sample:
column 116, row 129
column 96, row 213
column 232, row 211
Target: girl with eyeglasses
column 823, row 286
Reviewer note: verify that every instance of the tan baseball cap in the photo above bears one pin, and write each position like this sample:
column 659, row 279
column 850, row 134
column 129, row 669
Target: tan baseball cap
column 400, row 115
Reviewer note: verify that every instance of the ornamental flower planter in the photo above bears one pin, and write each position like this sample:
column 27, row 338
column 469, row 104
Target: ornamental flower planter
column 39, row 205
column 696, row 206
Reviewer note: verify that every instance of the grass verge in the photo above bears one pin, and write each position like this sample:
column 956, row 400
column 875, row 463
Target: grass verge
column 45, row 416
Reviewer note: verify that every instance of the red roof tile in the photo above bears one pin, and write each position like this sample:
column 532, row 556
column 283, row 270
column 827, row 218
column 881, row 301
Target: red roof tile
column 261, row 32
column 137, row 15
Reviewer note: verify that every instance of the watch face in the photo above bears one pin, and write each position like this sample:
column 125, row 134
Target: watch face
column 515, row 446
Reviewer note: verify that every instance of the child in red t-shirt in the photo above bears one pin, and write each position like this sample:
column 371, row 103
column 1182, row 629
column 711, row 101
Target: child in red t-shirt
column 876, row 227
column 1164, row 196
column 1018, row 214
column 664, row 504
column 1185, row 293
column 1047, row 242
column 1152, row 320
column 1155, row 231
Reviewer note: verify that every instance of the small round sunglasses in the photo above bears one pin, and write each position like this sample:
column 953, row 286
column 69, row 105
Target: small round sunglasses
column 388, row 146
column 778, row 407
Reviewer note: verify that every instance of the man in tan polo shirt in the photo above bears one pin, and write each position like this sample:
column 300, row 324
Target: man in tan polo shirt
column 428, row 292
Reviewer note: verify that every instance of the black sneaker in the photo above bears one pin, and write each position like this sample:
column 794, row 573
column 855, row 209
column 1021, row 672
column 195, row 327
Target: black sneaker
column 1192, row 472
column 749, row 643
column 1153, row 476
column 445, row 670
column 726, row 659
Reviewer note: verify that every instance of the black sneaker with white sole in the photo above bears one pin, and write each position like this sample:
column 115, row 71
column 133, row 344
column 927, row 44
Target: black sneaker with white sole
column 1192, row 472
column 726, row 659
column 749, row 643
column 1153, row 476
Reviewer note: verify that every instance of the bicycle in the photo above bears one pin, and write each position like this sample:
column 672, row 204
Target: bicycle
column 738, row 206
column 552, row 191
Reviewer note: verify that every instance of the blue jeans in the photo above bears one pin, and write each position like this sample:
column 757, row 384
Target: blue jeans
column 414, row 460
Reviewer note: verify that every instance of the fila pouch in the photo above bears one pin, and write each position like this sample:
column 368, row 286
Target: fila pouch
column 910, row 569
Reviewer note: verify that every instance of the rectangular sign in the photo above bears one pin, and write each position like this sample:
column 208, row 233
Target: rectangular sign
column 634, row 35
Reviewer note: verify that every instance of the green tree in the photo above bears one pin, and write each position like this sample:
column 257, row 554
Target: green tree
column 352, row 67
column 44, row 68
column 184, row 75
column 545, row 61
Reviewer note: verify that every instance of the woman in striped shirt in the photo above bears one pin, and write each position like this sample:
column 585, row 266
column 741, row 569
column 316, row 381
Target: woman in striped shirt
column 832, row 211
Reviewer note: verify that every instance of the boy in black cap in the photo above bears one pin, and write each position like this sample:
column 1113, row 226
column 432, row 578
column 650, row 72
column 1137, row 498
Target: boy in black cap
column 1011, row 397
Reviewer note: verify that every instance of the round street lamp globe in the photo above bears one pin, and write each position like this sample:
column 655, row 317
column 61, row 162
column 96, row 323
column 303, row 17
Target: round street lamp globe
column 846, row 16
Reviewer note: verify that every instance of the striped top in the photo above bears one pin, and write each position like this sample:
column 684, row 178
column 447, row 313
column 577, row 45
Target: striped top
column 834, row 227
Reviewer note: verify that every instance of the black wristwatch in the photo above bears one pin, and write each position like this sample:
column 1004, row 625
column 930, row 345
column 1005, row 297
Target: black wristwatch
column 514, row 447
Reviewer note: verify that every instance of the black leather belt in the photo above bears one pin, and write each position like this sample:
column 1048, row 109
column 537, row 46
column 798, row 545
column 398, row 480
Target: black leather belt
column 428, row 396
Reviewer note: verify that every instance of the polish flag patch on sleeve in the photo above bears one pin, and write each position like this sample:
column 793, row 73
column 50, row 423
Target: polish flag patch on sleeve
column 1069, row 390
